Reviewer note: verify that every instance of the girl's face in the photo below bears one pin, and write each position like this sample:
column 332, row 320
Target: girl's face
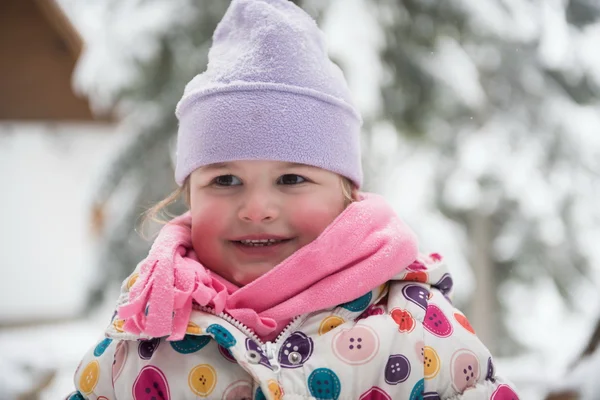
column 237, row 206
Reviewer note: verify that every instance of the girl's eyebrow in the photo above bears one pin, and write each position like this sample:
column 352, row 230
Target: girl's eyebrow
column 216, row 166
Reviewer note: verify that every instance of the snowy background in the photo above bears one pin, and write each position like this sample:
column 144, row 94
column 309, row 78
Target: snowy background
column 503, row 100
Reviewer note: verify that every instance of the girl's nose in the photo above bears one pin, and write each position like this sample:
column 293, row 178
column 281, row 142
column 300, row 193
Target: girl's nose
column 258, row 207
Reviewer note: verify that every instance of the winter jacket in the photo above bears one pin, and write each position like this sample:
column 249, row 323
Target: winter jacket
column 403, row 340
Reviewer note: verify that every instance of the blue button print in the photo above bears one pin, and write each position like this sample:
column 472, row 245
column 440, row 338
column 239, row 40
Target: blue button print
column 190, row 344
column 358, row 304
column 417, row 391
column 102, row 346
column 221, row 335
column 324, row 384
column 259, row 394
column 76, row 396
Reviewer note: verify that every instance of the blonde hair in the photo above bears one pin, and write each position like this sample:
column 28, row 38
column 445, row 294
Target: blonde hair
column 159, row 212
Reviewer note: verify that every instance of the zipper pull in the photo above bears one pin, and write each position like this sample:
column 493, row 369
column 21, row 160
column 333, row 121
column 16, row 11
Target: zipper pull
column 271, row 352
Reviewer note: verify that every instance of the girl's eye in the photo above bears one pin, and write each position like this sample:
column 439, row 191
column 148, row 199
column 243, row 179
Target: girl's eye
column 291, row 179
column 227, row 180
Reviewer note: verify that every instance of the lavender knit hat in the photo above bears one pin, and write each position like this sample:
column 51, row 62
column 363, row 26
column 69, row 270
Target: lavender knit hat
column 269, row 92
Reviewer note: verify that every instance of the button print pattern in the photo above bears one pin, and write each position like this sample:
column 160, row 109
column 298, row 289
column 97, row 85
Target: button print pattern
column 238, row 390
column 89, row 377
column 295, row 351
column 324, row 384
column 404, row 319
column 416, row 294
column 464, row 322
column 101, row 347
column 202, row 380
column 255, row 355
column 151, row 382
column 397, row 369
column 417, row 391
column 436, row 322
column 357, row 345
column 190, row 344
column 464, row 370
column 330, row 323
column 147, row 347
column 119, row 360
column 275, row 390
column 221, row 335
column 226, row 354
column 490, row 371
column 504, row 392
column 358, row 304
column 375, row 393
column 445, row 284
column 431, row 363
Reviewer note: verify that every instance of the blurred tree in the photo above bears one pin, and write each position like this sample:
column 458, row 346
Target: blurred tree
column 496, row 90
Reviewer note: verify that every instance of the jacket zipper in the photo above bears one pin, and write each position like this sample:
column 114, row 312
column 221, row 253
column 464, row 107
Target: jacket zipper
column 269, row 348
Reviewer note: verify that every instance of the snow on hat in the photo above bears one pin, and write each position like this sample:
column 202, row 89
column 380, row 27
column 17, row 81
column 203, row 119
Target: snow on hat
column 270, row 92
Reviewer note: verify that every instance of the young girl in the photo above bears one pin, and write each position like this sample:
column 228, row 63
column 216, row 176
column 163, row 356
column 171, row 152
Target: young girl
column 282, row 280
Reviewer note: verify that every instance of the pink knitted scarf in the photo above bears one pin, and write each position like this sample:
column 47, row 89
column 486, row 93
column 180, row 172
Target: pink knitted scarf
column 365, row 246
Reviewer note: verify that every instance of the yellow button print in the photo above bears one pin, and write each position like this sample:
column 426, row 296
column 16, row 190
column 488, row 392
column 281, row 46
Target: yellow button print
column 89, row 377
column 330, row 323
column 132, row 280
column 193, row 329
column 275, row 390
column 431, row 361
column 202, row 380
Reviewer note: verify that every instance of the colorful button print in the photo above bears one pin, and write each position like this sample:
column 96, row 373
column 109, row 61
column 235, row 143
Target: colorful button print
column 416, row 276
column 417, row 391
column 101, row 347
column 420, row 350
column 416, row 294
column 404, row 319
column 151, row 382
column 132, row 279
column 431, row 362
column 330, row 323
column 119, row 361
column 490, row 371
column 76, row 396
column 193, row 329
column 504, row 392
column 226, row 354
column 118, row 325
column 375, row 393
column 221, row 335
column 238, row 390
column 445, row 284
column 397, row 369
column 295, row 351
column 190, row 344
column 275, row 390
column 357, row 345
column 147, row 347
column 358, row 304
column 436, row 322
column 255, row 354
column 464, row 370
column 89, row 377
column 324, row 384
column 464, row 322
column 431, row 396
column 202, row 380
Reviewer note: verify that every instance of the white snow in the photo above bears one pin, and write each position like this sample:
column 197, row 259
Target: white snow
column 46, row 172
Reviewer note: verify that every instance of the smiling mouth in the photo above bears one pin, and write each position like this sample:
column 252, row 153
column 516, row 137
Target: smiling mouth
column 261, row 242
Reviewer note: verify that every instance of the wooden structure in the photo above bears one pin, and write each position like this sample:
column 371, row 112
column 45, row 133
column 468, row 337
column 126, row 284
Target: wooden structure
column 38, row 51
